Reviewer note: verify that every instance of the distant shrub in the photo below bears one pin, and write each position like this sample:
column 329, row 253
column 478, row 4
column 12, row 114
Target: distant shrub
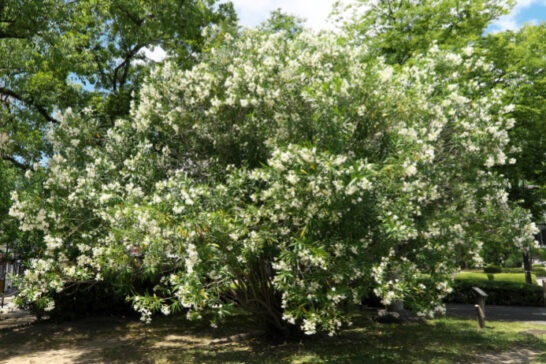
column 539, row 272
column 491, row 268
column 514, row 260
column 499, row 292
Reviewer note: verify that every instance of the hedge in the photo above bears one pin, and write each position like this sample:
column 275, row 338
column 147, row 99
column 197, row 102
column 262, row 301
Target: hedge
column 507, row 293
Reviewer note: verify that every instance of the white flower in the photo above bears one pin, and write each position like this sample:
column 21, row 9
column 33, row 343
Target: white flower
column 105, row 197
column 385, row 74
column 455, row 58
column 50, row 306
column 365, row 184
column 468, row 51
column 411, row 170
column 351, row 189
column 165, row 310
column 501, row 157
column 53, row 243
column 508, row 108
column 292, row 177
column 309, row 326
column 289, row 318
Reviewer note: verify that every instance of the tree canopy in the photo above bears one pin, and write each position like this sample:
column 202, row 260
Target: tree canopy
column 74, row 54
column 398, row 29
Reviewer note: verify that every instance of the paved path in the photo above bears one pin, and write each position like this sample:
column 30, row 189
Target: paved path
column 535, row 315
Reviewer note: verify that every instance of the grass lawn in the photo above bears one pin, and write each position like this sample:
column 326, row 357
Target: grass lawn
column 175, row 340
column 507, row 277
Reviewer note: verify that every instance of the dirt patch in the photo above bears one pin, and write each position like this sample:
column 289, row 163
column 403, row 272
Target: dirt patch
column 15, row 319
column 46, row 342
column 59, row 356
column 11, row 317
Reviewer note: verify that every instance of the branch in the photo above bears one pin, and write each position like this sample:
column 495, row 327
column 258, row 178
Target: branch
column 125, row 64
column 13, row 161
column 30, row 101
column 5, row 35
column 11, row 116
column 138, row 21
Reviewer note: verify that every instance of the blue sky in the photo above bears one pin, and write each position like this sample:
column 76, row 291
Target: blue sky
column 525, row 11
column 253, row 12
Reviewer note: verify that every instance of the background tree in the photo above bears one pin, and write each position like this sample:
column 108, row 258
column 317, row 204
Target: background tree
column 280, row 21
column 8, row 227
column 398, row 29
column 23, row 245
column 520, row 67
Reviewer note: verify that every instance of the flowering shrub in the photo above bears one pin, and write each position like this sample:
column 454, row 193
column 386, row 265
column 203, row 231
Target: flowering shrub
column 288, row 177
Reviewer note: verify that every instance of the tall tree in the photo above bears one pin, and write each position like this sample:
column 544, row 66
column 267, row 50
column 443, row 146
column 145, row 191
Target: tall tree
column 519, row 63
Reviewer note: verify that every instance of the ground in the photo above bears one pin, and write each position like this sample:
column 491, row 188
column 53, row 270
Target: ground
column 176, row 340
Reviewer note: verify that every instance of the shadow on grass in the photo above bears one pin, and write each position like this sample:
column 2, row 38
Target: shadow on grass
column 176, row 340
column 540, row 358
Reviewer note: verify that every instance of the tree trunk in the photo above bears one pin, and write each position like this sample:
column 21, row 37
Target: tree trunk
column 527, row 267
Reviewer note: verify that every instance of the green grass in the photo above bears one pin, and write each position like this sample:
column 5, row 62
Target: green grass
column 506, row 277
column 175, row 340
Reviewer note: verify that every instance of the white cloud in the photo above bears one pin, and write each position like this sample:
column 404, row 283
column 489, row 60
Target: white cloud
column 156, row 54
column 509, row 21
column 253, row 12
column 505, row 22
